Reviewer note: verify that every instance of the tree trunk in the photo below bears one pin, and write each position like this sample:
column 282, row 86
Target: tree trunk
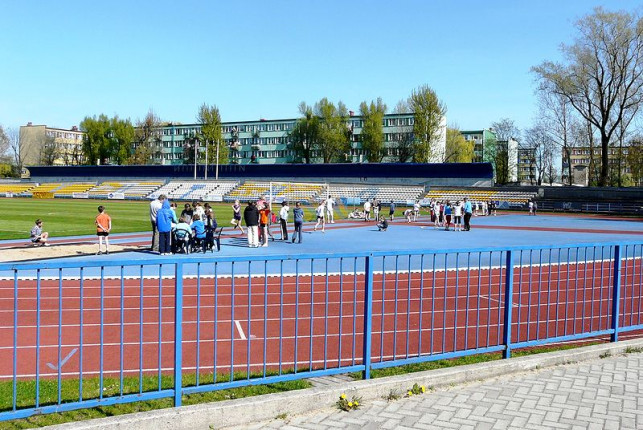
column 604, row 178
column 568, row 154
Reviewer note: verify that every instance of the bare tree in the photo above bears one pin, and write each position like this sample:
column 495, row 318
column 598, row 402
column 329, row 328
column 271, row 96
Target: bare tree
column 544, row 151
column 147, row 139
column 603, row 74
column 13, row 142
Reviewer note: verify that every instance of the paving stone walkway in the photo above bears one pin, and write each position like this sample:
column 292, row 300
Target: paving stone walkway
column 603, row 393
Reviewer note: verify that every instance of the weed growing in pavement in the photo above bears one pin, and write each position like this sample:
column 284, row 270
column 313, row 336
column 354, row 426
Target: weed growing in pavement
column 347, row 405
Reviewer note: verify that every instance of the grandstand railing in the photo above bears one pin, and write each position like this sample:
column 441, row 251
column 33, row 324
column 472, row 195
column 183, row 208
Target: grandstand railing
column 164, row 327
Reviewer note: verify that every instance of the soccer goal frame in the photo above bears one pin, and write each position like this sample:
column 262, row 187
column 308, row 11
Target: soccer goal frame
column 279, row 191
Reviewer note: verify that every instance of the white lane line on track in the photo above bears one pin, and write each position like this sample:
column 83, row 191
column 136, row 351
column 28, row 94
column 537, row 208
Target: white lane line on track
column 242, row 335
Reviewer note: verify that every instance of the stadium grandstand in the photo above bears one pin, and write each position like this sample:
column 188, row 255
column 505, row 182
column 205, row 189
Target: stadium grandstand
column 213, row 191
column 383, row 193
column 125, row 189
column 505, row 198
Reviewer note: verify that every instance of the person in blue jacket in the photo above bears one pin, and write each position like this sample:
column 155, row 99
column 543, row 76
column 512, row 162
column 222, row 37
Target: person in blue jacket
column 198, row 229
column 164, row 218
column 298, row 217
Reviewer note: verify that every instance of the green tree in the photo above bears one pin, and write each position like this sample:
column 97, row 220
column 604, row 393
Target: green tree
column 304, row 137
column 96, row 141
column 458, row 149
column 429, row 114
column 372, row 135
column 602, row 76
column 210, row 120
column 334, row 135
column 122, row 135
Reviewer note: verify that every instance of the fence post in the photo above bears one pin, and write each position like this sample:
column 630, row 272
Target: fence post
column 616, row 293
column 178, row 333
column 368, row 315
column 509, row 290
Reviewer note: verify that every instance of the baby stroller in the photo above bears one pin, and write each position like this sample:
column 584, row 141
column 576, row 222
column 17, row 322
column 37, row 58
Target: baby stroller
column 181, row 241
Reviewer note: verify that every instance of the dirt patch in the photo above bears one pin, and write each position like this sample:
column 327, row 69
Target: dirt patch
column 57, row 251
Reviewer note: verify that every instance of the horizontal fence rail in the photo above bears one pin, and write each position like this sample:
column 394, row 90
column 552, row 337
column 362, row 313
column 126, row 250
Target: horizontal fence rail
column 96, row 333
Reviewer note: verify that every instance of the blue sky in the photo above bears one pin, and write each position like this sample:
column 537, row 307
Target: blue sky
column 64, row 60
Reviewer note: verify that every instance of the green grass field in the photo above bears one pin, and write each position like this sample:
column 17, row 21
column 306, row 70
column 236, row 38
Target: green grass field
column 75, row 217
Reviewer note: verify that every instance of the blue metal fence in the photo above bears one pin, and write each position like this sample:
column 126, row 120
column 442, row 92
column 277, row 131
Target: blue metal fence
column 115, row 332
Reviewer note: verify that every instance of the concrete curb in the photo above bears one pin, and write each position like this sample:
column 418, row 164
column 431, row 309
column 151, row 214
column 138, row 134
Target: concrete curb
column 239, row 412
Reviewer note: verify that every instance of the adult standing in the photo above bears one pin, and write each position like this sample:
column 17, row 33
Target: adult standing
column 467, row 214
column 283, row 220
column 164, row 219
column 298, row 217
column 251, row 218
column 155, row 206
column 330, row 208
column 391, row 210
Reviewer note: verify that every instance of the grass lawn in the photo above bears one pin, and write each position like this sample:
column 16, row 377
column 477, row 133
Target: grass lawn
column 75, row 217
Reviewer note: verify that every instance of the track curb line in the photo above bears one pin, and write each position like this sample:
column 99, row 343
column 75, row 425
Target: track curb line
column 243, row 412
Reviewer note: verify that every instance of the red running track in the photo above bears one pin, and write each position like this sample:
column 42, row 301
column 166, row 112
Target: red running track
column 307, row 323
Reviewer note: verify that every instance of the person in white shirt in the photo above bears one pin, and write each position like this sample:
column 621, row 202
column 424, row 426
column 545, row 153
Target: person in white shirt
column 155, row 206
column 330, row 204
column 367, row 210
column 437, row 207
column 457, row 216
column 416, row 210
column 283, row 220
column 320, row 211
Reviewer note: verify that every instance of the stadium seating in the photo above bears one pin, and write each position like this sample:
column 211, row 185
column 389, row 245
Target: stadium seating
column 130, row 189
column 206, row 191
column 253, row 190
column 68, row 189
column 384, row 193
column 512, row 198
column 15, row 188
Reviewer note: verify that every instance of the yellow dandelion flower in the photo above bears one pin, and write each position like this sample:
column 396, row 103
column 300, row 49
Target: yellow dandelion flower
column 343, row 396
column 410, row 393
column 356, row 403
column 350, row 404
column 423, row 388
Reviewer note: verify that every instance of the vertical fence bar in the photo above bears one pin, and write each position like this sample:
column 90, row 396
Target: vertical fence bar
column 14, row 382
column 231, row 376
column 80, row 336
column 198, row 324
column 341, row 305
column 102, row 332
column 140, row 331
column 408, row 307
column 312, row 313
column 383, row 309
column 178, row 333
column 160, row 328
column 281, row 314
column 368, row 315
column 60, row 331
column 38, row 338
column 616, row 293
column 120, row 378
column 326, row 321
column 215, row 322
column 509, row 285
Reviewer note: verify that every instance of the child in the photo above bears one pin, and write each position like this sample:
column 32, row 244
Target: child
column 264, row 219
column 457, row 216
column 383, row 224
column 38, row 237
column 298, row 218
column 103, row 227
column 408, row 214
column 198, row 229
column 321, row 209
column 236, row 216
column 283, row 220
column 447, row 215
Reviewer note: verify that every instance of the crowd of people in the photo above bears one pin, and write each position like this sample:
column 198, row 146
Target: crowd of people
column 193, row 229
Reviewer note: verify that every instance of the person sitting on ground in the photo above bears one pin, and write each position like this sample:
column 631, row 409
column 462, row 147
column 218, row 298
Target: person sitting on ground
column 383, row 224
column 356, row 214
column 39, row 237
